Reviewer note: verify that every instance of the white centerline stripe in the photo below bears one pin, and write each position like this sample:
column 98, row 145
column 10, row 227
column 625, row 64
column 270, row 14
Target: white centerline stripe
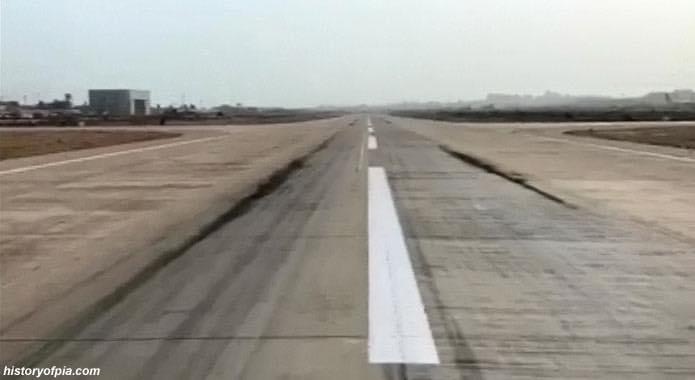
column 624, row 150
column 398, row 328
column 372, row 143
column 112, row 154
column 371, row 130
column 361, row 159
column 369, row 121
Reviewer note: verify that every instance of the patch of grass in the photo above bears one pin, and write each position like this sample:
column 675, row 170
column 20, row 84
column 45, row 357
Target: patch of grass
column 24, row 143
column 550, row 115
column 679, row 136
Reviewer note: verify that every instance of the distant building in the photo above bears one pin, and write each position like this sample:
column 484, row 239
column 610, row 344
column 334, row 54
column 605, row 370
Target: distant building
column 56, row 104
column 683, row 96
column 120, row 102
column 677, row 96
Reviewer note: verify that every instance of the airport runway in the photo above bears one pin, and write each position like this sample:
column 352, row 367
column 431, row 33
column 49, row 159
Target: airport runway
column 328, row 276
column 76, row 226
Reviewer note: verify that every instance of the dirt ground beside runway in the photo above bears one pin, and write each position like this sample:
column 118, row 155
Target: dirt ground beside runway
column 679, row 136
column 25, row 143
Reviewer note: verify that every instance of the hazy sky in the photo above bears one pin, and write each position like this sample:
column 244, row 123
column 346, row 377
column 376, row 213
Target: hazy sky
column 298, row 53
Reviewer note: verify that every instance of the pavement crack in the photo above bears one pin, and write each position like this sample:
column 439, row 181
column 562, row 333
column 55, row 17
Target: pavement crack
column 511, row 177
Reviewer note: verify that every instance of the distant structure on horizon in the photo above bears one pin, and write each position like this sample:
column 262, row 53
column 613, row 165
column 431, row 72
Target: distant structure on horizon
column 120, row 102
column 676, row 96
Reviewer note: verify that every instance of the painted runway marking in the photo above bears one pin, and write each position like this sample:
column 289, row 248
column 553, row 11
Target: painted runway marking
column 624, row 150
column 359, row 163
column 371, row 130
column 398, row 328
column 369, row 121
column 372, row 143
column 105, row 155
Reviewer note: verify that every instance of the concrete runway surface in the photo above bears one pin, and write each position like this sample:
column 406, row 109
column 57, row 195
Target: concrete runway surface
column 513, row 285
column 78, row 225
